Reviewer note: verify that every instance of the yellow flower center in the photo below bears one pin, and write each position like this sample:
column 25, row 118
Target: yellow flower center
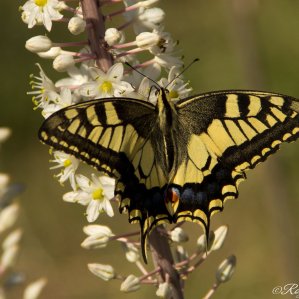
column 40, row 3
column 67, row 163
column 173, row 94
column 106, row 87
column 98, row 194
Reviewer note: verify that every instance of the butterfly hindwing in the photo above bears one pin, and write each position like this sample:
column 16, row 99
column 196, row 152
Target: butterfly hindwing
column 231, row 132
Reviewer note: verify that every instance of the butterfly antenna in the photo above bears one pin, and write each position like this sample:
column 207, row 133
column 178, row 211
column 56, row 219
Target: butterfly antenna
column 135, row 69
column 183, row 71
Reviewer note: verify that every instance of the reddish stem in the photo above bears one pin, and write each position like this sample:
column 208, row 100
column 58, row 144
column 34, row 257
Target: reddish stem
column 96, row 32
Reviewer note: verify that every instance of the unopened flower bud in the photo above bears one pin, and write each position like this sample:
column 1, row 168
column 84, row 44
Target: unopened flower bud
column 202, row 242
column 76, row 25
column 105, row 272
column 34, row 289
column 180, row 254
column 95, row 229
column 146, row 3
column 62, row 62
column 220, row 235
column 153, row 15
column 145, row 40
column 178, row 235
column 8, row 216
column 226, row 269
column 25, row 16
column 8, row 257
column 12, row 239
column 61, row 6
column 4, row 180
column 132, row 253
column 51, row 54
column 130, row 284
column 99, row 236
column 94, row 242
column 164, row 290
column 39, row 43
column 113, row 36
column 4, row 133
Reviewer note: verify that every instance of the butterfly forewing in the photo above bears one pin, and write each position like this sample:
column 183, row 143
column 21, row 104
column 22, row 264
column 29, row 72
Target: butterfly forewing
column 116, row 137
column 104, row 133
column 233, row 131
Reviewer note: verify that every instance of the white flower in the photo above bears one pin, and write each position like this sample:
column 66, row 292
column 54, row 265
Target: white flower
column 39, row 43
column 76, row 25
column 106, row 84
column 34, row 289
column 144, row 18
column 36, row 12
column 77, row 77
column 146, row 91
column 64, row 100
column 69, row 165
column 151, row 18
column 167, row 60
column 176, row 87
column 95, row 193
column 166, row 43
column 106, row 272
column 44, row 90
column 151, row 71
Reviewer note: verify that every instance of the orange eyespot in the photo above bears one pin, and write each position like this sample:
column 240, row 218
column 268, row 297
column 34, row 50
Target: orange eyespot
column 172, row 199
column 171, row 196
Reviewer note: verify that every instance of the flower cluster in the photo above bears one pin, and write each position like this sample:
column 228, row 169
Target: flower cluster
column 10, row 247
column 99, row 236
column 83, row 80
column 125, row 72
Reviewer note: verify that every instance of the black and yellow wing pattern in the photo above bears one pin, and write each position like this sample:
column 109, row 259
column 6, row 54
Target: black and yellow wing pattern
column 175, row 162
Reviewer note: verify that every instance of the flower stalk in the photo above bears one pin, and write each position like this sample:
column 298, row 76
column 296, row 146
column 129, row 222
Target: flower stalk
column 96, row 71
column 96, row 33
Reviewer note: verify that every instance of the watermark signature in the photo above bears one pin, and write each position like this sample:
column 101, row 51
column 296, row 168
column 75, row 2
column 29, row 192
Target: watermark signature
column 290, row 288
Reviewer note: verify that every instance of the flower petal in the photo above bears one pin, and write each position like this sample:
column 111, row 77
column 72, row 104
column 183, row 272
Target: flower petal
column 93, row 210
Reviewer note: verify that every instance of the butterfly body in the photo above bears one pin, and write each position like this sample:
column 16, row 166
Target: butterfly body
column 175, row 161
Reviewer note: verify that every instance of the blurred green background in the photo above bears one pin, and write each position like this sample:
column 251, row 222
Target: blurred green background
column 241, row 44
